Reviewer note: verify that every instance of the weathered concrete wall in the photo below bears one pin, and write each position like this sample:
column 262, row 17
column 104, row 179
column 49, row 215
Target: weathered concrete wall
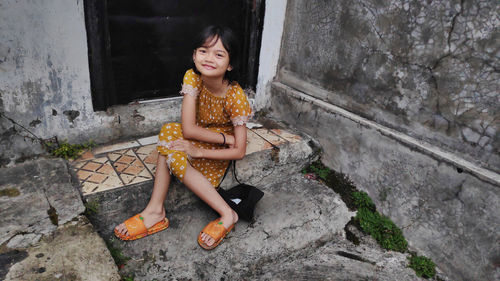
column 45, row 86
column 446, row 214
column 418, row 119
column 426, row 68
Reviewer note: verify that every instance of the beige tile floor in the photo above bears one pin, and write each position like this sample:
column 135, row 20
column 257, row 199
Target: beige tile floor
column 117, row 165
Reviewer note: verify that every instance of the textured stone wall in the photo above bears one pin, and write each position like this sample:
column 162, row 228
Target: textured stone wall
column 430, row 69
column 447, row 215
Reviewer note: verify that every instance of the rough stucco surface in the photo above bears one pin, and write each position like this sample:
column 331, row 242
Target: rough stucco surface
column 449, row 216
column 427, row 68
column 45, row 84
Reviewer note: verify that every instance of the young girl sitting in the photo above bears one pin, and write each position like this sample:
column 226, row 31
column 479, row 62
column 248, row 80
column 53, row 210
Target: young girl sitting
column 214, row 113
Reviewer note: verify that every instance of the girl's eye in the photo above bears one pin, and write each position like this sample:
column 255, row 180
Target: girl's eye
column 202, row 51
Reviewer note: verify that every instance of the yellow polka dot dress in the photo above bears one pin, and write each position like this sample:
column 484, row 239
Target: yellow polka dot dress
column 219, row 114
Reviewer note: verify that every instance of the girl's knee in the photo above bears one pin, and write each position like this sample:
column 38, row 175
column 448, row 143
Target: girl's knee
column 178, row 164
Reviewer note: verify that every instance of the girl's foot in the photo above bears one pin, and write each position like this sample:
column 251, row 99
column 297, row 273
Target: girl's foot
column 150, row 219
column 227, row 221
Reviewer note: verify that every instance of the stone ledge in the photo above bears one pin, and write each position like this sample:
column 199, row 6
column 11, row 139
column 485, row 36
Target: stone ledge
column 267, row 166
column 292, row 215
column 424, row 147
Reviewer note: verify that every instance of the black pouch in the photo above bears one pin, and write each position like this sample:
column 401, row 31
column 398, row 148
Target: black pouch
column 241, row 198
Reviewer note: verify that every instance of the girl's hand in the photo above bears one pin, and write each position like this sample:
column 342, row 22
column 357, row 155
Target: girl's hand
column 229, row 140
column 186, row 146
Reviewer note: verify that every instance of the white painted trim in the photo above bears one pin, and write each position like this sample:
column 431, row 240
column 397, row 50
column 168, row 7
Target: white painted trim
column 419, row 145
column 157, row 100
column 274, row 19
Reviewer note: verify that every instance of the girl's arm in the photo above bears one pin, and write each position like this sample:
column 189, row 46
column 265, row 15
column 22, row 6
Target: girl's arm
column 234, row 152
column 191, row 131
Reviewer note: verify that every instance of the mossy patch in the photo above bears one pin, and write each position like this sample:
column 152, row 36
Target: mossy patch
column 380, row 227
column 363, row 201
column 9, row 192
column 119, row 258
column 386, row 233
column 69, row 151
column 339, row 182
column 91, row 208
column 128, row 278
column 423, row 266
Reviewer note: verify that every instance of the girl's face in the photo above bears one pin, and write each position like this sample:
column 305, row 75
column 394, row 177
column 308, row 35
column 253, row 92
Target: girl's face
column 212, row 59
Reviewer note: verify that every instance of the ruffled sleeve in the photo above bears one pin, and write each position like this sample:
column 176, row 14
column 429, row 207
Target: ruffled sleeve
column 191, row 84
column 238, row 107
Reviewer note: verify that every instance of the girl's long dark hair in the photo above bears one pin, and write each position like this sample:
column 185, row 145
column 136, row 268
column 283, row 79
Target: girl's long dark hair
column 230, row 43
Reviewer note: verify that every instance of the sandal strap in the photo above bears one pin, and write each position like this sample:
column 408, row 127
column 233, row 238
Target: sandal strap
column 135, row 225
column 215, row 229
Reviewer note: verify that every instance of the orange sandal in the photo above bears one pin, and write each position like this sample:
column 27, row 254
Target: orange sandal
column 217, row 231
column 136, row 228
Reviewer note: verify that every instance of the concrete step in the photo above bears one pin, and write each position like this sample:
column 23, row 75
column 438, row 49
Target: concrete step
column 272, row 154
column 294, row 214
column 298, row 232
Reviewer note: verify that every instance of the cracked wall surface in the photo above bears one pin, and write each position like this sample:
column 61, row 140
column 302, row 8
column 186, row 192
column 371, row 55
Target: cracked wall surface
column 447, row 214
column 430, row 69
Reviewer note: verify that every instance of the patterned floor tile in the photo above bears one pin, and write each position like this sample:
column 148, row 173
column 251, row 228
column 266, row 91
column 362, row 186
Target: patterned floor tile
column 83, row 175
column 269, row 137
column 88, row 187
column 133, row 162
column 129, row 166
column 149, row 155
column 287, row 135
column 113, row 147
column 78, row 164
column 96, row 174
column 255, row 143
column 87, row 155
column 92, row 166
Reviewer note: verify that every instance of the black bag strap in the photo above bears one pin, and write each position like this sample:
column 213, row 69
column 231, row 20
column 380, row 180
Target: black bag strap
column 234, row 171
column 233, row 163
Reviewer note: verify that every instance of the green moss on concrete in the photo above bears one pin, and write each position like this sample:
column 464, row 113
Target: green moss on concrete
column 339, row 182
column 119, row 258
column 91, row 208
column 423, row 266
column 69, row 151
column 386, row 233
column 10, row 192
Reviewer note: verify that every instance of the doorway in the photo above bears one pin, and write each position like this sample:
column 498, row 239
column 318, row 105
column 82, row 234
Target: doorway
column 139, row 50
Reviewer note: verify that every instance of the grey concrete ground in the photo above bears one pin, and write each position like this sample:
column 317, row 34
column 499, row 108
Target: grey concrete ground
column 43, row 236
column 298, row 232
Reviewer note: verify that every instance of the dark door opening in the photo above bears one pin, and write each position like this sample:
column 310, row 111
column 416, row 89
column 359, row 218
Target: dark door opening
column 140, row 49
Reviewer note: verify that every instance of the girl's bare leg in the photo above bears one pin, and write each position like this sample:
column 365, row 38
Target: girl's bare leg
column 197, row 183
column 155, row 211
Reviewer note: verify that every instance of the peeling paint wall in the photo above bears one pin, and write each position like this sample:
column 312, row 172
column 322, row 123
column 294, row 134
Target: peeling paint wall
column 430, row 69
column 45, row 84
